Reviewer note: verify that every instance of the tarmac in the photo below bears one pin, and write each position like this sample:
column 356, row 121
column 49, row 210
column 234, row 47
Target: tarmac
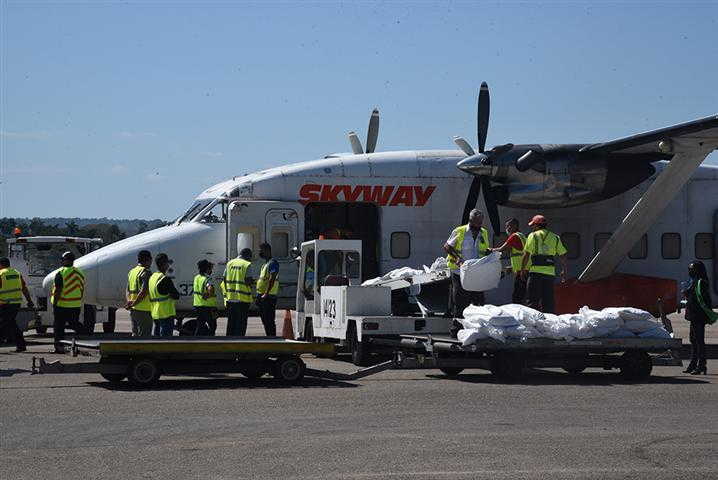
column 415, row 424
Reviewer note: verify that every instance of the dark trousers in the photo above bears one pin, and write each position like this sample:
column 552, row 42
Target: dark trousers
column 698, row 343
column 540, row 292
column 267, row 306
column 460, row 298
column 237, row 313
column 69, row 317
column 8, row 326
column 163, row 327
column 519, row 294
column 206, row 320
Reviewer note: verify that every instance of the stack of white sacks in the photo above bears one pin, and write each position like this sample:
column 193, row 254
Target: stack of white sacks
column 518, row 322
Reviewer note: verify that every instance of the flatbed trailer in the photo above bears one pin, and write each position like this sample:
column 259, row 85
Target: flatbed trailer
column 142, row 361
column 509, row 359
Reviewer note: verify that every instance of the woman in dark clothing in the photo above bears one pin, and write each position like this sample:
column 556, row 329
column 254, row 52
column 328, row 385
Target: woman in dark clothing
column 697, row 316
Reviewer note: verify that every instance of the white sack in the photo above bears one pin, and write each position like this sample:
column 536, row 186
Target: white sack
column 622, row 333
column 525, row 315
column 640, row 326
column 658, row 332
column 630, row 313
column 481, row 274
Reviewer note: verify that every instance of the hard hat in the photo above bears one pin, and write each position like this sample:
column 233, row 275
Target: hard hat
column 68, row 256
column 537, row 220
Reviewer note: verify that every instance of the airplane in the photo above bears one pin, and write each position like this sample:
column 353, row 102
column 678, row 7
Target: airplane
column 641, row 204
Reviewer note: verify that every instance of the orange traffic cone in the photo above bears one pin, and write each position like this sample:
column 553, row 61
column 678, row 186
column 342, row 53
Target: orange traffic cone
column 287, row 329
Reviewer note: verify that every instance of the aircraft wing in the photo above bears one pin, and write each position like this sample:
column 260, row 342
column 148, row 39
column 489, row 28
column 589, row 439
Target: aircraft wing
column 689, row 134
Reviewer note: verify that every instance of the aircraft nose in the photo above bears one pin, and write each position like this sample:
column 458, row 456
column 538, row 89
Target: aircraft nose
column 475, row 164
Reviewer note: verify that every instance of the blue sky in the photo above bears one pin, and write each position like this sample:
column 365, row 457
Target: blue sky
column 130, row 109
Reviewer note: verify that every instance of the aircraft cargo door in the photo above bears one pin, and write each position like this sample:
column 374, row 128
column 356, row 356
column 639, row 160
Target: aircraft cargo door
column 282, row 227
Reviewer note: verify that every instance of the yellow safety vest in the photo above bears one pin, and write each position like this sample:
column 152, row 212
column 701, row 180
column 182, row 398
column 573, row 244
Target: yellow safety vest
column 233, row 286
column 134, row 286
column 73, row 288
column 544, row 246
column 11, row 286
column 163, row 306
column 481, row 248
column 263, row 282
column 198, row 287
column 517, row 255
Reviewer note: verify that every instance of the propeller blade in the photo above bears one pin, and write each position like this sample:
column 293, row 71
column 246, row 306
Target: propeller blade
column 491, row 206
column 464, row 146
column 482, row 115
column 471, row 199
column 373, row 132
column 356, row 143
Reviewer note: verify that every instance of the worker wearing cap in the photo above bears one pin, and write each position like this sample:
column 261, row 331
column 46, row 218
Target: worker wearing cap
column 237, row 290
column 67, row 293
column 267, row 290
column 514, row 244
column 12, row 289
column 163, row 296
column 465, row 242
column 137, row 294
column 205, row 300
column 539, row 264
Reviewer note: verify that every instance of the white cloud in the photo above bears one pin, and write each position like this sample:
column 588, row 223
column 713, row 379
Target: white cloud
column 133, row 135
column 24, row 135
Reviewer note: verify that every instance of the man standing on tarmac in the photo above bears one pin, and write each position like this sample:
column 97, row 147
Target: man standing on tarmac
column 267, row 290
column 540, row 251
column 163, row 296
column 137, row 294
column 237, row 291
column 67, row 293
column 459, row 248
column 205, row 300
column 515, row 245
column 11, row 285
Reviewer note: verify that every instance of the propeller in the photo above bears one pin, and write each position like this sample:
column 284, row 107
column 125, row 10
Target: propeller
column 479, row 164
column 371, row 135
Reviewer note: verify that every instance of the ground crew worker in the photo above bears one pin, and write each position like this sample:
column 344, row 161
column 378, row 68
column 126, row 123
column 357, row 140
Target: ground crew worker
column 514, row 244
column 539, row 264
column 459, row 248
column 205, row 300
column 137, row 294
column 237, row 289
column 11, row 286
column 67, row 293
column 267, row 290
column 163, row 296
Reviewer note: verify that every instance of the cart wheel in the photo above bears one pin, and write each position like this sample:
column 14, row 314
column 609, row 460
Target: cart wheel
column 451, row 371
column 574, row 370
column 112, row 377
column 508, row 365
column 41, row 330
column 360, row 355
column 143, row 372
column 289, row 369
column 636, row 365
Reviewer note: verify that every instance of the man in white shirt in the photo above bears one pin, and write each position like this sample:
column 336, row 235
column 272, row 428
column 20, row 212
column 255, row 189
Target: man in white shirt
column 465, row 242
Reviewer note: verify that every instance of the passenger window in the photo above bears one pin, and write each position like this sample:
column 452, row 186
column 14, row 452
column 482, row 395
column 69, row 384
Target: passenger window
column 572, row 242
column 280, row 244
column 671, row 246
column 704, row 246
column 640, row 249
column 600, row 240
column 400, row 245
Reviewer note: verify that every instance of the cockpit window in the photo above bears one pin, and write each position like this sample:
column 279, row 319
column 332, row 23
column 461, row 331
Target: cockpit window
column 193, row 210
column 217, row 214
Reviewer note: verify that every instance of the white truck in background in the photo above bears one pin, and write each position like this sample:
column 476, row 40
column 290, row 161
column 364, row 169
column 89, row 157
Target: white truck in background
column 34, row 258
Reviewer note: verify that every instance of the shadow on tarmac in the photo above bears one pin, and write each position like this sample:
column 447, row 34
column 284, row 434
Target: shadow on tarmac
column 544, row 377
column 222, row 383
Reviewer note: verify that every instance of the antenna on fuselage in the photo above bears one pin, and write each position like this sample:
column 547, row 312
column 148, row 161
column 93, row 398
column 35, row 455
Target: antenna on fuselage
column 371, row 136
